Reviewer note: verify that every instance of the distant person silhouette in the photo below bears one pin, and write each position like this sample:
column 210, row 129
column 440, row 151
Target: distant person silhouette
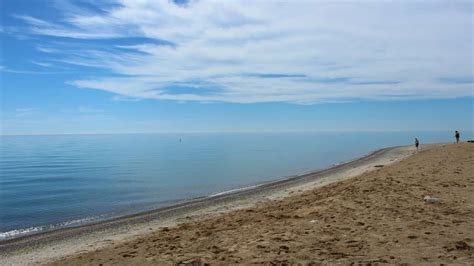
column 457, row 135
column 417, row 143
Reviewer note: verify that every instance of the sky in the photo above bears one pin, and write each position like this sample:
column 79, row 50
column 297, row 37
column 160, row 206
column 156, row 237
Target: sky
column 144, row 66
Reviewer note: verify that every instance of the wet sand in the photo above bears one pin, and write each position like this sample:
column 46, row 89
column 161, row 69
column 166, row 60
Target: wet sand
column 377, row 216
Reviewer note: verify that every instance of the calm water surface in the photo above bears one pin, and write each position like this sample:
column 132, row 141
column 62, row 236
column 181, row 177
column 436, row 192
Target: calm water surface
column 55, row 181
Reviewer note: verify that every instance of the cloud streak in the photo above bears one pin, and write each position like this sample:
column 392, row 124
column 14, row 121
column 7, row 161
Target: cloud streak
column 260, row 51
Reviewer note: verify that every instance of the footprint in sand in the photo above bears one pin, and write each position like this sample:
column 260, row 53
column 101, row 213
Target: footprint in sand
column 130, row 254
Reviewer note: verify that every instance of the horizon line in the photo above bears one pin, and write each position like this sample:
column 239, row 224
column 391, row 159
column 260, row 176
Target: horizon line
column 234, row 131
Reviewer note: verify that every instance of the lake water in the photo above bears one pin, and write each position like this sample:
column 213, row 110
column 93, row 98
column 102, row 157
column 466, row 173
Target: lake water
column 56, row 181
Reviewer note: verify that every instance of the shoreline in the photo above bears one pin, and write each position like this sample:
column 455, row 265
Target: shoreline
column 50, row 245
column 31, row 231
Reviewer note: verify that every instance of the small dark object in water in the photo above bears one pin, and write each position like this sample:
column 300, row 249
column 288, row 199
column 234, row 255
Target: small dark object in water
column 379, row 165
column 470, row 141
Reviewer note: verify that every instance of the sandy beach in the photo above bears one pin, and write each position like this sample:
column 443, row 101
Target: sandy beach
column 369, row 210
column 203, row 132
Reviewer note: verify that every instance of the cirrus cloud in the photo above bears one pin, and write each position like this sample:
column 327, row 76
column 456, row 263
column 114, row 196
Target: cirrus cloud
column 267, row 51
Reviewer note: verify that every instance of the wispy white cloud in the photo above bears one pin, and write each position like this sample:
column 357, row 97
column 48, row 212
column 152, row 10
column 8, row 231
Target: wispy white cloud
column 33, row 21
column 43, row 27
column 29, row 72
column 261, row 51
column 43, row 64
column 48, row 50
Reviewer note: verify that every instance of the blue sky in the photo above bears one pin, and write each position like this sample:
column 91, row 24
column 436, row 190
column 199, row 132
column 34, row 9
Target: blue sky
column 162, row 66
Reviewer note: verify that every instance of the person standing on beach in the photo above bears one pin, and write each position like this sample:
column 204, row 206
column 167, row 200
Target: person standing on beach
column 417, row 143
column 457, row 135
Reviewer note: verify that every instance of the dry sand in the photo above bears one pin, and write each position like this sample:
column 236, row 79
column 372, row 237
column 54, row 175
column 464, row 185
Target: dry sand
column 379, row 216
